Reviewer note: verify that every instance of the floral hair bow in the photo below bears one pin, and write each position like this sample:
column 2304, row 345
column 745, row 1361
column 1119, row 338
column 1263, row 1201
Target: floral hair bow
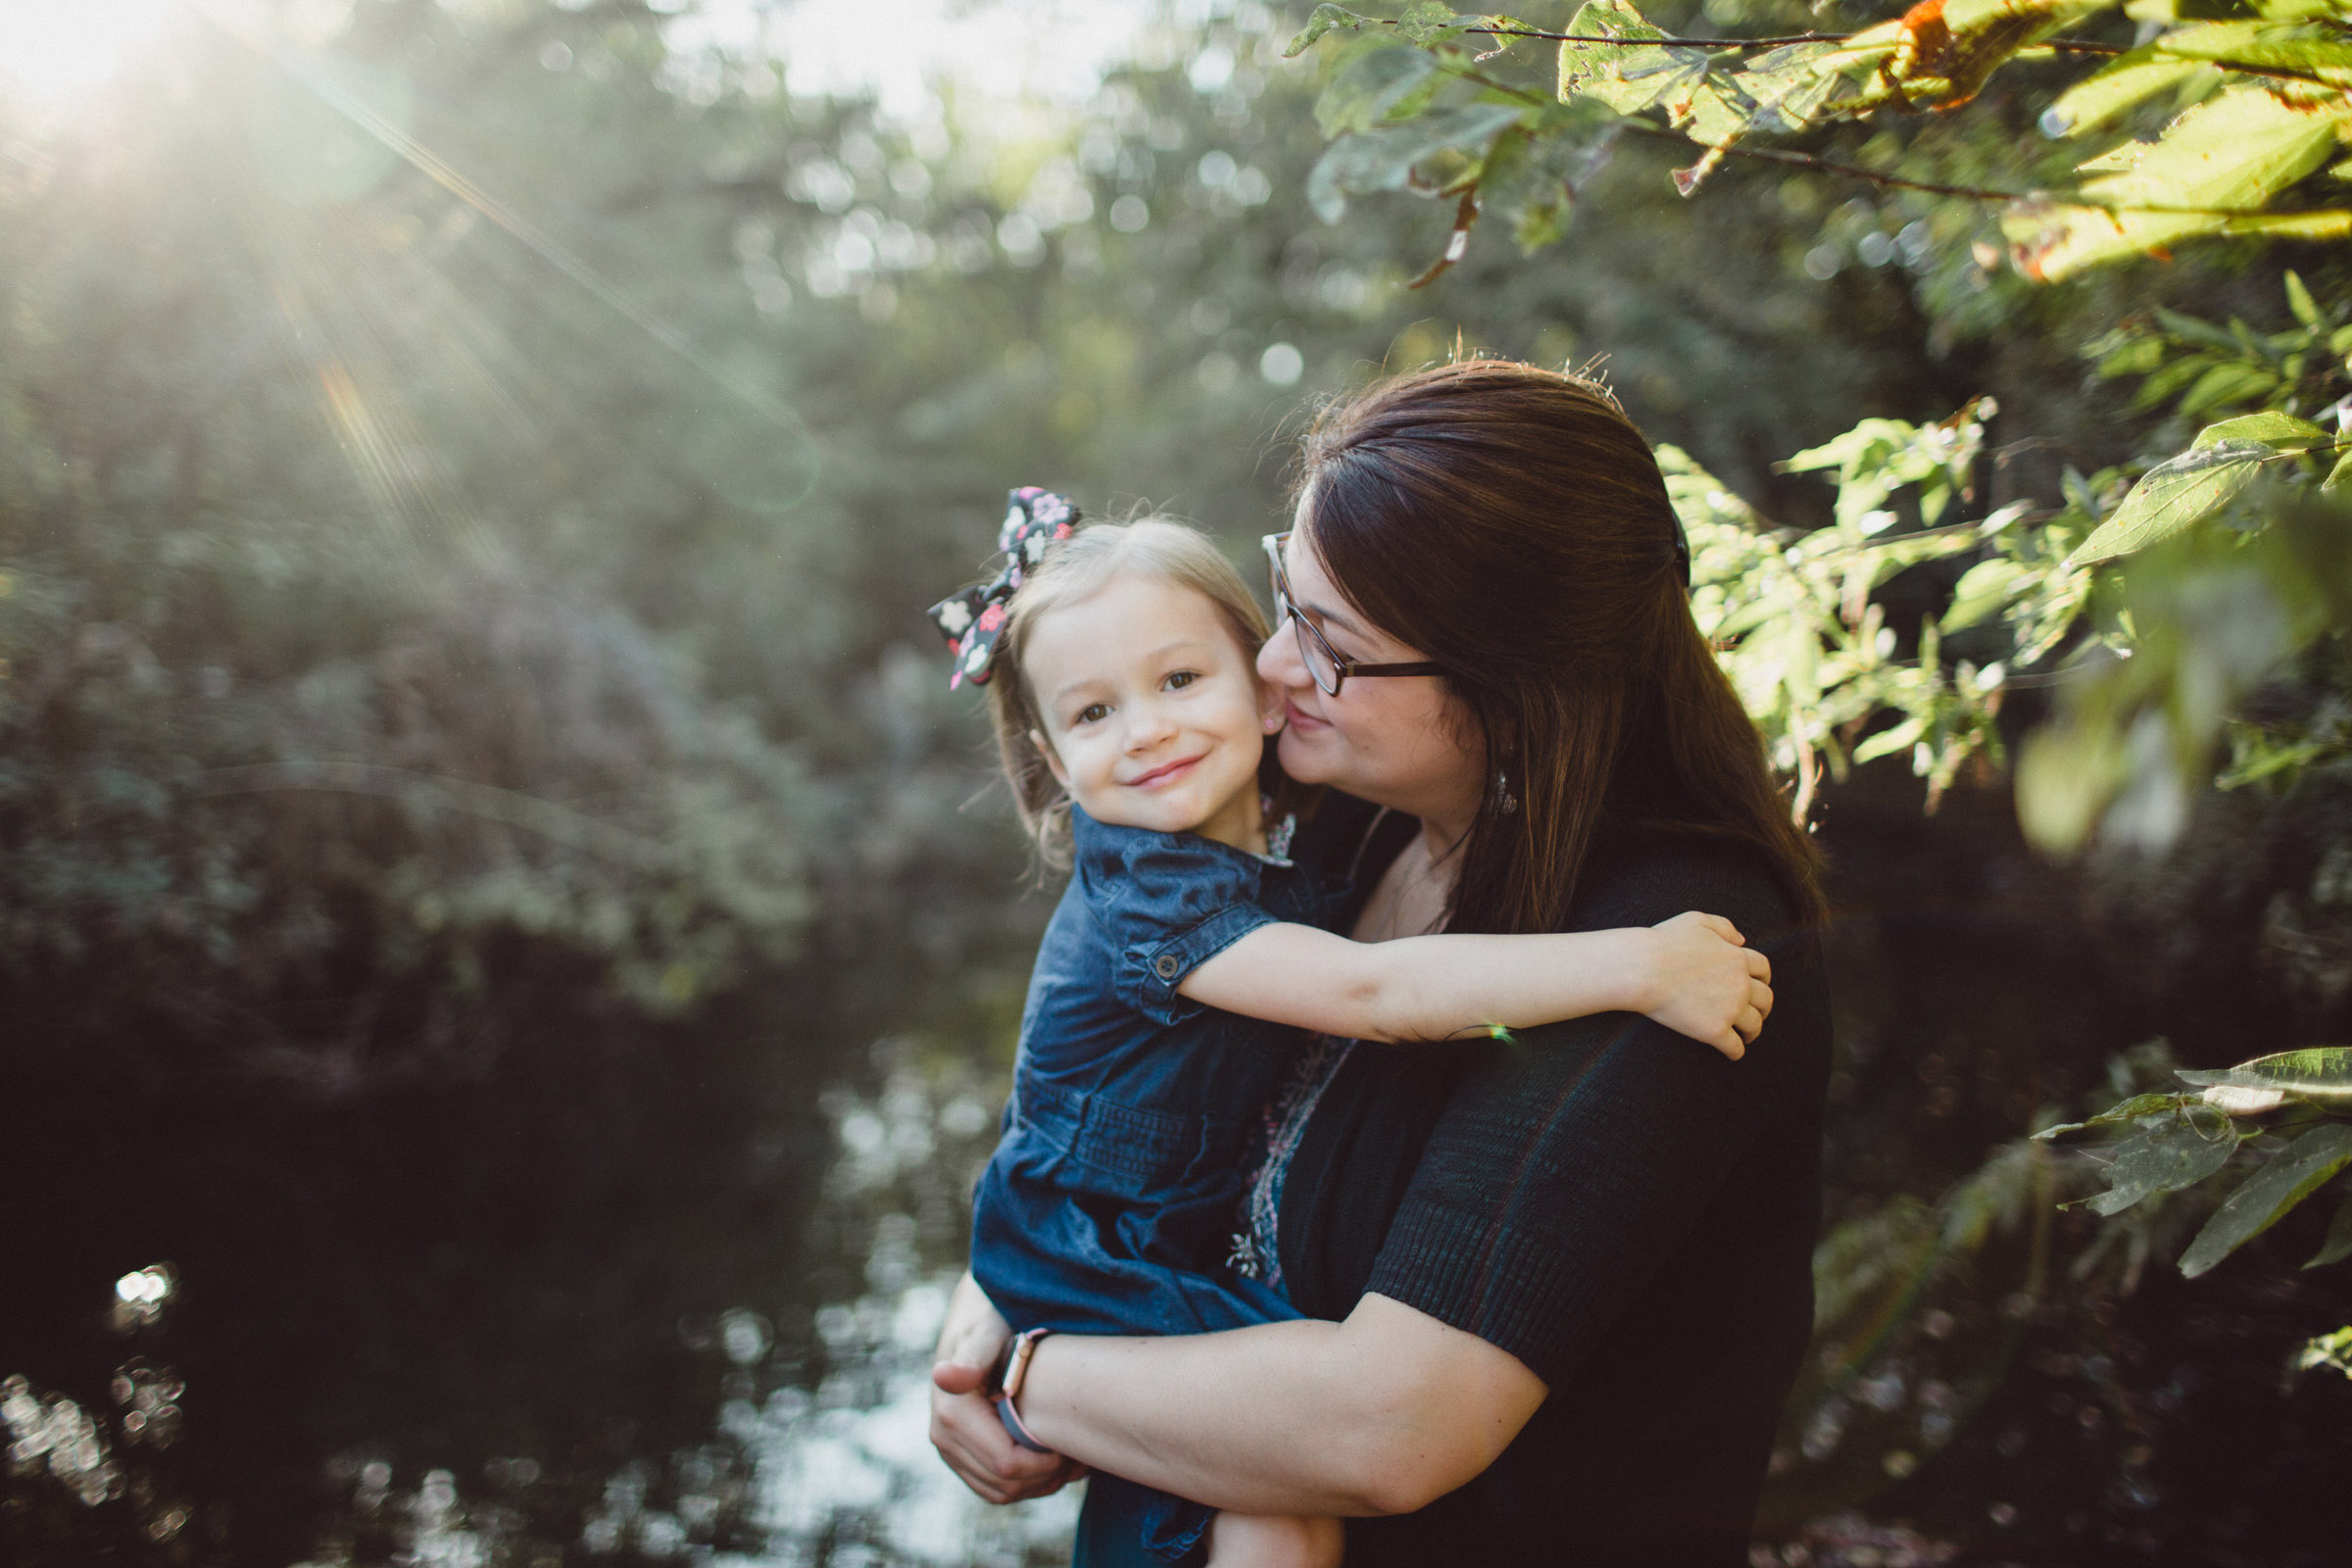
column 971, row 620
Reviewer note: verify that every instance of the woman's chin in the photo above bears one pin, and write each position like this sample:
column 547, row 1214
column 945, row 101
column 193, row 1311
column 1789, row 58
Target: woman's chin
column 1302, row 760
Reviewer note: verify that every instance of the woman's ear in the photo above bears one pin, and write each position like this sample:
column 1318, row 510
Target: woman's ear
column 1061, row 775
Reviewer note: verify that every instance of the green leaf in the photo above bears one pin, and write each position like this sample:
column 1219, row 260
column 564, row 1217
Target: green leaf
column 1597, row 71
column 1986, row 587
column 2322, row 1074
column 1326, row 18
column 2172, row 496
column 1428, row 22
column 2226, row 384
column 2271, row 428
column 1363, row 162
column 2132, row 1110
column 1369, row 86
column 2299, row 301
column 2292, row 1175
column 2302, row 50
column 2125, row 84
column 2165, row 1155
column 2339, row 477
column 1531, row 178
column 2338, row 1245
column 2211, row 171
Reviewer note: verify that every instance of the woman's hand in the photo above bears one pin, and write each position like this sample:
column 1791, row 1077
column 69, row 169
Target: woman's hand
column 1706, row 983
column 965, row 1427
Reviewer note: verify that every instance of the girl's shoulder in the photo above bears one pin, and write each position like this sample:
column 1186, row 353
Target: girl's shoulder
column 1140, row 873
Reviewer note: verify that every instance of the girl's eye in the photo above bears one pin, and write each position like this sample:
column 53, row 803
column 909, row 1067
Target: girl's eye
column 1182, row 678
column 1093, row 713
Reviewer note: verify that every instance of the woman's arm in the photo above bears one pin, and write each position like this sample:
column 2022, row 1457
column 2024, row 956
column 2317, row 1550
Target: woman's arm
column 1381, row 1414
column 1692, row 973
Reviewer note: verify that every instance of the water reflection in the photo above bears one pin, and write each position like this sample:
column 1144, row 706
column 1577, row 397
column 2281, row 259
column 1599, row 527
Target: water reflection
column 844, row 1471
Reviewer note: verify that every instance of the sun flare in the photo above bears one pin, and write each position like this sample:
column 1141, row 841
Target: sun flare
column 52, row 48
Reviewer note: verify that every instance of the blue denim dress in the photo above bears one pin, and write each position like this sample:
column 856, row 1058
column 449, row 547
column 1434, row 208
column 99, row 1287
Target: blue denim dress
column 1112, row 1204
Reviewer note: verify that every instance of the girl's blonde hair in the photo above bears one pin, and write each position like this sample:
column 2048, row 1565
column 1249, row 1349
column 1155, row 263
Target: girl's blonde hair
column 1158, row 548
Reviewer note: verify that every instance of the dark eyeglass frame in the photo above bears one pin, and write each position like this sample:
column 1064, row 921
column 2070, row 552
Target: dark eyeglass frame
column 1311, row 636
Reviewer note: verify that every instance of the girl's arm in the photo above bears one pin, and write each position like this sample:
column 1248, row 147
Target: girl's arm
column 1692, row 973
column 1382, row 1413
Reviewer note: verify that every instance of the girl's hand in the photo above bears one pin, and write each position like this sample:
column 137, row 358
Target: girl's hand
column 965, row 1427
column 1706, row 984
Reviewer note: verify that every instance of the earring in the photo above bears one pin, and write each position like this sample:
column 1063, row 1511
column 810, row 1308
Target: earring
column 1505, row 802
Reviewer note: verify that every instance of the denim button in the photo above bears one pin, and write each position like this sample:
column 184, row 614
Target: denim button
column 1165, row 967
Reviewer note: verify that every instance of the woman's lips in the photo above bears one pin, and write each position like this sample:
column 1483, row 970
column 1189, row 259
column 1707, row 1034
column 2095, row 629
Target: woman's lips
column 1296, row 718
column 1162, row 775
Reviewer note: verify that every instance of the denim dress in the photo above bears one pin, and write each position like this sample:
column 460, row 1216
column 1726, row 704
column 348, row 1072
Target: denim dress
column 1112, row 1202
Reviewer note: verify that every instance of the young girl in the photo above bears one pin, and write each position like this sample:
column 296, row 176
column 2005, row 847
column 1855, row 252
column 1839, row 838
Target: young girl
column 1188, row 950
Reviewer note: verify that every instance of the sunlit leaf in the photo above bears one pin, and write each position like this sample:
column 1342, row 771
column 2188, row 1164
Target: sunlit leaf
column 2291, row 1175
column 2303, row 51
column 2299, row 301
column 2271, row 428
column 2165, row 1155
column 2210, row 172
column 2122, row 87
column 2322, row 1074
column 1597, row 71
column 1369, row 86
column 2173, row 496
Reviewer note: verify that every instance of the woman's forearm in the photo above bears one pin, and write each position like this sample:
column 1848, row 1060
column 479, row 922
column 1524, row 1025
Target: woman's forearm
column 1382, row 1413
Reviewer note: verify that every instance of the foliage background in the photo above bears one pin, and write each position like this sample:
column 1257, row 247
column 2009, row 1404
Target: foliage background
column 474, row 770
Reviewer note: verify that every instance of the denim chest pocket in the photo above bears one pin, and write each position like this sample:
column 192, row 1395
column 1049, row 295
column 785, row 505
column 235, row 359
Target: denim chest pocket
column 1126, row 1152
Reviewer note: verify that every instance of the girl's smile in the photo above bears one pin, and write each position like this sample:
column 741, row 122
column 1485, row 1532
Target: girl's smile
column 1152, row 713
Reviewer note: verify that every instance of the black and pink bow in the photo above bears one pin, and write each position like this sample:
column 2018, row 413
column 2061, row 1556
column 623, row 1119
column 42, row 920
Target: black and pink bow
column 971, row 620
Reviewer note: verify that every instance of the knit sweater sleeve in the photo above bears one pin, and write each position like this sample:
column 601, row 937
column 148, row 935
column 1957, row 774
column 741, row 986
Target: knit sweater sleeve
column 1570, row 1166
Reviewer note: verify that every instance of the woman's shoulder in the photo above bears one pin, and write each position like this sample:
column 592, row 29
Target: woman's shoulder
column 1642, row 875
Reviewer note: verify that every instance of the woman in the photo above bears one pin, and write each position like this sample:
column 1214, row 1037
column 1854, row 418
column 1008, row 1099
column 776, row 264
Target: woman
column 1557, row 1286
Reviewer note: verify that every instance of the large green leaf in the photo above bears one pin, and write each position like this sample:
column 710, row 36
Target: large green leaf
column 2210, row 173
column 2292, row 1175
column 2166, row 1155
column 2174, row 495
column 2322, row 1074
column 1370, row 85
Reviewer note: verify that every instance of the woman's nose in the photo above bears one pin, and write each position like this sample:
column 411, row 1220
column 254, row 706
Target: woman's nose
column 1278, row 659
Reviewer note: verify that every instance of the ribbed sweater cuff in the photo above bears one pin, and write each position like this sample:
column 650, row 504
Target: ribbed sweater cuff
column 1511, row 1289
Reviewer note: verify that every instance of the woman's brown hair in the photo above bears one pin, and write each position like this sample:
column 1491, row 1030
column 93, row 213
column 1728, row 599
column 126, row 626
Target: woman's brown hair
column 1512, row 524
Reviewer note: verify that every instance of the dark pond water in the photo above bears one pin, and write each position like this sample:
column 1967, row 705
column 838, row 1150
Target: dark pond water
column 622, row 1300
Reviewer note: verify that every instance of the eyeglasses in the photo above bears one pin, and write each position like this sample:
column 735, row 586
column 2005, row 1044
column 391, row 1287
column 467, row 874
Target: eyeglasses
column 1323, row 662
